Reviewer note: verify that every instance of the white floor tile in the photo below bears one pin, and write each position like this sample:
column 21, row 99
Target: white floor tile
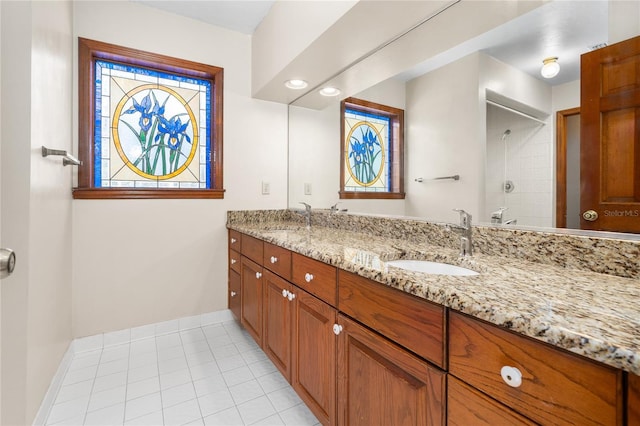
column 167, row 327
column 143, row 387
column 230, row 417
column 256, row 409
column 111, row 381
column 212, row 375
column 143, row 332
column 108, row 416
column 178, row 394
column 152, row 419
column 182, row 413
column 246, row 391
column 90, row 343
column 117, row 337
column 76, row 390
column 142, row 406
column 215, row 402
column 107, row 398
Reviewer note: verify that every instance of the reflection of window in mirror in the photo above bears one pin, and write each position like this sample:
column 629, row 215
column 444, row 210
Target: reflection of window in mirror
column 372, row 150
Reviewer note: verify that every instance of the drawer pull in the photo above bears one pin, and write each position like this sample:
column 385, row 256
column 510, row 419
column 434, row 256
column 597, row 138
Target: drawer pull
column 258, row 275
column 274, row 259
column 233, row 241
column 308, row 277
column 233, row 261
column 291, row 296
column 337, row 329
column 511, row 376
column 233, row 294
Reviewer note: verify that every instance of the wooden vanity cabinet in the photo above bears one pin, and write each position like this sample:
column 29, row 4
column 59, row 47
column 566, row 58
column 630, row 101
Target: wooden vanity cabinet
column 252, row 297
column 633, row 400
column 381, row 383
column 235, row 304
column 550, row 386
column 466, row 406
column 314, row 355
column 279, row 300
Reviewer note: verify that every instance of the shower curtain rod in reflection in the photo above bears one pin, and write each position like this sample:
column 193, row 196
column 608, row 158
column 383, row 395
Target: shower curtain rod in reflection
column 515, row 111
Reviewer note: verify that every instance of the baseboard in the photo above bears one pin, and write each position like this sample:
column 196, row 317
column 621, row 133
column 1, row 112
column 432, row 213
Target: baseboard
column 104, row 340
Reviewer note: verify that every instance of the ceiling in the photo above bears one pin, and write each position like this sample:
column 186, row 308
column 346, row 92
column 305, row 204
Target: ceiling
column 564, row 29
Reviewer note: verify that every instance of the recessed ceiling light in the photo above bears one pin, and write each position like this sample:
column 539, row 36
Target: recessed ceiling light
column 329, row 91
column 296, row 84
column 550, row 67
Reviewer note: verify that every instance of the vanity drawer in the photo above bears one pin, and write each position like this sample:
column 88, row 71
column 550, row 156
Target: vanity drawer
column 234, row 261
column 278, row 260
column 315, row 277
column 414, row 323
column 556, row 387
column 235, row 240
column 252, row 248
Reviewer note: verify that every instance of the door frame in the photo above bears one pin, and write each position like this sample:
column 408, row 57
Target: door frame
column 561, row 164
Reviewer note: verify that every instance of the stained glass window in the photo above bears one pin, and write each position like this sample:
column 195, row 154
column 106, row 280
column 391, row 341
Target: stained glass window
column 153, row 125
column 371, row 152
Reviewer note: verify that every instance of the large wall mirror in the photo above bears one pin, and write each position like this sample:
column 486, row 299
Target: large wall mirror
column 479, row 110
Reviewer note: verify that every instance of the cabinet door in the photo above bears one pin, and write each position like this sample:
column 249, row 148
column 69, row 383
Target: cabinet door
column 466, row 406
column 251, row 289
column 234, row 293
column 633, row 400
column 278, row 300
column 314, row 355
column 380, row 383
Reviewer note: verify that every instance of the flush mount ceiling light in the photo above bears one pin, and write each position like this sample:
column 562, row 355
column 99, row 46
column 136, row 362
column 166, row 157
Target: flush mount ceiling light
column 295, row 84
column 550, row 67
column 329, row 91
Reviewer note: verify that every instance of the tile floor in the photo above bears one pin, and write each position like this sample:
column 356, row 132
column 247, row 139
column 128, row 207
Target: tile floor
column 210, row 375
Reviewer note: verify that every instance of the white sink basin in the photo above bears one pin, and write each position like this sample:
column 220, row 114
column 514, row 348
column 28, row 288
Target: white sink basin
column 435, row 268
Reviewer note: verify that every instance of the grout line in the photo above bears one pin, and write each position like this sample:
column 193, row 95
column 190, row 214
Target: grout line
column 191, row 375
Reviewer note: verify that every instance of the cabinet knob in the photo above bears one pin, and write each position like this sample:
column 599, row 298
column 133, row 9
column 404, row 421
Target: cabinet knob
column 233, row 241
column 274, row 259
column 511, row 376
column 308, row 277
column 258, row 275
column 233, row 261
column 284, row 292
column 291, row 296
column 233, row 294
column 337, row 329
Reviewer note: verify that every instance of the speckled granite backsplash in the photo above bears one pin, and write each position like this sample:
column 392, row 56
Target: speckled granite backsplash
column 603, row 255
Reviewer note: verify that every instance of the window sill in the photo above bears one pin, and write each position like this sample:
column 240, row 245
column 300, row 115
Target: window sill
column 126, row 193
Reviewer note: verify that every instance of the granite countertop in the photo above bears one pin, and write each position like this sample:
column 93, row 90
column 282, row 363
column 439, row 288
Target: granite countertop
column 592, row 314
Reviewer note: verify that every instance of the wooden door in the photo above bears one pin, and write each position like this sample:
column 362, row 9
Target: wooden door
column 314, row 355
column 278, row 300
column 610, row 129
column 380, row 383
column 251, row 300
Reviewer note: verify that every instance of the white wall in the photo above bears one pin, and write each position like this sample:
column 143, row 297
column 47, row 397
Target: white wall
column 36, row 216
column 314, row 153
column 444, row 138
column 126, row 270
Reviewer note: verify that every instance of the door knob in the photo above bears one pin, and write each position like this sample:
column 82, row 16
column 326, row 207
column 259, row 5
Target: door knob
column 7, row 262
column 590, row 215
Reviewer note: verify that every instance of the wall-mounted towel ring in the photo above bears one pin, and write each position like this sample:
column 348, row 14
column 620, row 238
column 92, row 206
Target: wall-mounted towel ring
column 67, row 159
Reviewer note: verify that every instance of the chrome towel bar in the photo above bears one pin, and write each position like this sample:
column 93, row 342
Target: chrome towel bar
column 454, row 177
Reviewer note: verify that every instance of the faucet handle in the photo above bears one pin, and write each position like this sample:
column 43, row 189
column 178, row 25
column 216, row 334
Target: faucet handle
column 334, row 208
column 465, row 218
column 306, row 206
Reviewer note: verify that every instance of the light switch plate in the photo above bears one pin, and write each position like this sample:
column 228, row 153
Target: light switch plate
column 266, row 188
column 307, row 188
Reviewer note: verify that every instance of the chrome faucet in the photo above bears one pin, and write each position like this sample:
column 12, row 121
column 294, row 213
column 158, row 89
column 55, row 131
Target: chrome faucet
column 334, row 208
column 496, row 217
column 464, row 229
column 307, row 215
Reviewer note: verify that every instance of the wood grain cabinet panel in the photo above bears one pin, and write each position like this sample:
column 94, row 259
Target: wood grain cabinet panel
column 252, row 248
column 234, row 294
column 556, row 387
column 409, row 321
column 315, row 277
column 314, row 356
column 252, row 296
column 466, row 406
column 633, row 400
column 234, row 260
column 235, row 240
column 380, row 383
column 278, row 260
column 278, row 309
